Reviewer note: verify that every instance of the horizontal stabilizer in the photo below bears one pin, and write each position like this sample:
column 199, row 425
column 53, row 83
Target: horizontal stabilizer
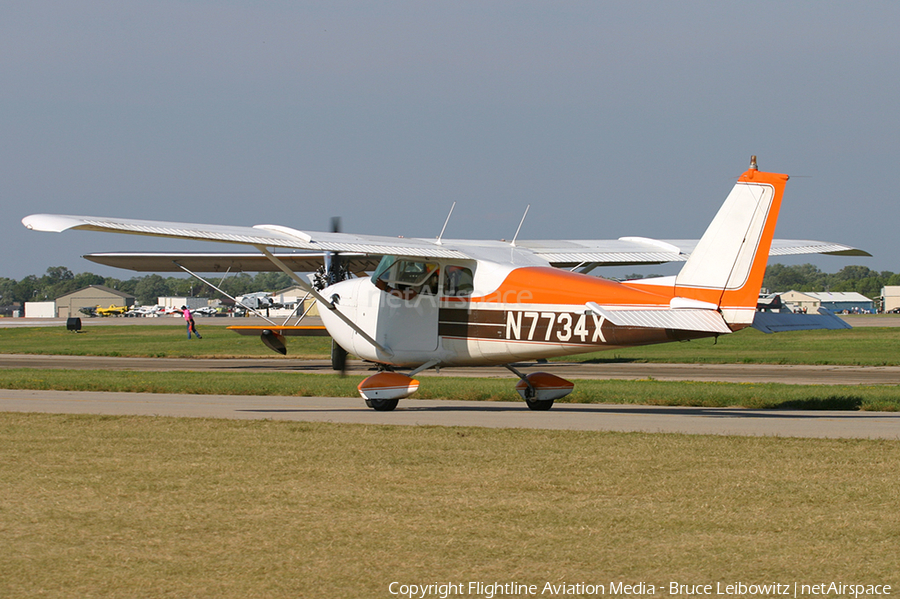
column 780, row 322
column 679, row 319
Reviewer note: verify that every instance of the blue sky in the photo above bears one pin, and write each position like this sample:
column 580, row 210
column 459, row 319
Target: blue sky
column 610, row 119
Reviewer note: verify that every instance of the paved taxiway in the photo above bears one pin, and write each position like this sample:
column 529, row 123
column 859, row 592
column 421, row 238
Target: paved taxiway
column 418, row 412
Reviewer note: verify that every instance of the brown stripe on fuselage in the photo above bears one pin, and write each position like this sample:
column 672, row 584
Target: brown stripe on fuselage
column 548, row 326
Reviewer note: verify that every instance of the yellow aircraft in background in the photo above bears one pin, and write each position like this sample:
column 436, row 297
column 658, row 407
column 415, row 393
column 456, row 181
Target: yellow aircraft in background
column 112, row 310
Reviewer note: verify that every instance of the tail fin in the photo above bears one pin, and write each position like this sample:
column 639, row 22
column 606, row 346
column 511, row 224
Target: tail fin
column 728, row 264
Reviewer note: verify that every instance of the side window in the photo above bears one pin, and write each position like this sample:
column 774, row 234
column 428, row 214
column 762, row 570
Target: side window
column 458, row 281
column 407, row 278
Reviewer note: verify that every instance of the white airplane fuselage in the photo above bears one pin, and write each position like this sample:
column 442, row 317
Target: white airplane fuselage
column 522, row 314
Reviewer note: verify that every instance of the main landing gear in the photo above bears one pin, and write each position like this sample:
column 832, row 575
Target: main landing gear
column 541, row 389
column 382, row 405
column 383, row 391
column 338, row 357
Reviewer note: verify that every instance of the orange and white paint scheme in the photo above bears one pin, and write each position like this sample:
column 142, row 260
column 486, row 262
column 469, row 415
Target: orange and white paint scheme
column 442, row 303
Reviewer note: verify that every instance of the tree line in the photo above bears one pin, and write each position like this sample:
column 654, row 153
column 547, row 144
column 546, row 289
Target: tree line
column 806, row 277
column 59, row 280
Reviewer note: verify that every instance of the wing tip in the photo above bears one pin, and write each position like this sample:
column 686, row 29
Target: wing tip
column 849, row 252
column 50, row 223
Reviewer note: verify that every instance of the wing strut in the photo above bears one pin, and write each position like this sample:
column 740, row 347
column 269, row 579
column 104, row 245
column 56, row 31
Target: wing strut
column 196, row 276
column 257, row 312
column 321, row 299
column 305, row 312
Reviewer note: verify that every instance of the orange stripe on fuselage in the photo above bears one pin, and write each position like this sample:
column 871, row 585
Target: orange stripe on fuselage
column 546, row 285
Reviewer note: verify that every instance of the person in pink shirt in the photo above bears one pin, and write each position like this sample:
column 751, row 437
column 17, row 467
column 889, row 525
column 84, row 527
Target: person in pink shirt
column 189, row 320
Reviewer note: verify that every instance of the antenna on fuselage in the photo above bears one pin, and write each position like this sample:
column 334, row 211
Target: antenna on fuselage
column 445, row 224
column 516, row 236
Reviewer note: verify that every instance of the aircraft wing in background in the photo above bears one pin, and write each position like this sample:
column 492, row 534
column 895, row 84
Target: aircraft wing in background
column 642, row 250
column 610, row 253
column 220, row 263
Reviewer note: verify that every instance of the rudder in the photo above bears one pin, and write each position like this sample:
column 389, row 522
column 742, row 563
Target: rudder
column 728, row 265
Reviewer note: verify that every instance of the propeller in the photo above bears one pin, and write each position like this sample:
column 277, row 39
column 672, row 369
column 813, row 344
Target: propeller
column 336, row 271
column 334, row 268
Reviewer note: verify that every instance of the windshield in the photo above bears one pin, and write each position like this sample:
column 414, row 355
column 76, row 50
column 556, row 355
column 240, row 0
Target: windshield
column 407, row 278
column 386, row 263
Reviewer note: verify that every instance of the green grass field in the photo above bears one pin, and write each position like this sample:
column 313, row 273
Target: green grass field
column 645, row 392
column 155, row 341
column 94, row 506
column 863, row 346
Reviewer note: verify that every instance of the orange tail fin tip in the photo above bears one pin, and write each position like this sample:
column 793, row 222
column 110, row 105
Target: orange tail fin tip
column 728, row 265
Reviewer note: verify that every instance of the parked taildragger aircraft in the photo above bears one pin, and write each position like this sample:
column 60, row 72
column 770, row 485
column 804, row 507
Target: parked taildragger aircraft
column 431, row 303
column 112, row 310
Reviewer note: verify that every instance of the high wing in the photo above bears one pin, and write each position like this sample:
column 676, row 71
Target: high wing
column 359, row 250
column 258, row 235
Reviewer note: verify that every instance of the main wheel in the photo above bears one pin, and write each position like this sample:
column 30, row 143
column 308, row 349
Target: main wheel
column 338, row 357
column 539, row 404
column 385, row 405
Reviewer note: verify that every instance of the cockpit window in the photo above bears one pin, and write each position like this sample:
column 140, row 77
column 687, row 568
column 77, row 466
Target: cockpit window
column 386, row 263
column 407, row 278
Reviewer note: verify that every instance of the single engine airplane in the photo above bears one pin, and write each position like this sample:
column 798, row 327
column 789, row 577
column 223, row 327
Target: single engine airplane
column 112, row 310
column 432, row 303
